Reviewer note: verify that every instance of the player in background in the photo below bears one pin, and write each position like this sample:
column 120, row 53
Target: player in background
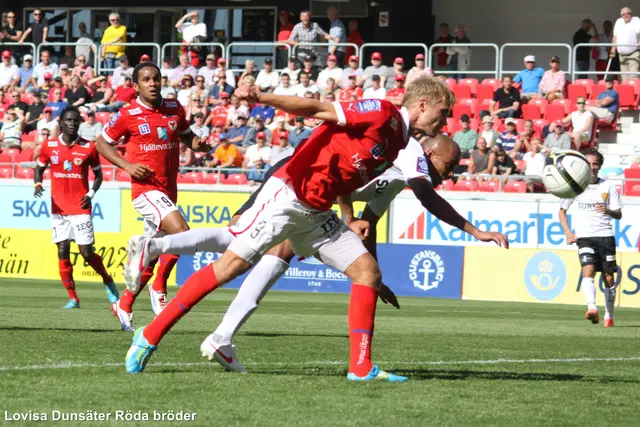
column 70, row 158
column 591, row 218
column 153, row 128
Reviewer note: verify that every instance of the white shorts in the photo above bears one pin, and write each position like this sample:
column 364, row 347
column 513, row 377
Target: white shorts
column 154, row 206
column 78, row 228
column 278, row 215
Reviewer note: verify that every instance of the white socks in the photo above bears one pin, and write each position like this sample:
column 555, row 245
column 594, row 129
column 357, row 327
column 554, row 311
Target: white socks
column 192, row 241
column 589, row 290
column 263, row 276
column 609, row 301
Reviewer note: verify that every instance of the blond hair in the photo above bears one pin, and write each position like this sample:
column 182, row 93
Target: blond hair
column 433, row 89
column 249, row 80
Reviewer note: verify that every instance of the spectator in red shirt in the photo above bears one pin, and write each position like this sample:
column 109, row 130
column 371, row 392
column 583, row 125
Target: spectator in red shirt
column 441, row 55
column 58, row 84
column 219, row 112
column 527, row 135
column 283, row 36
column 396, row 94
column 353, row 37
column 122, row 97
column 351, row 89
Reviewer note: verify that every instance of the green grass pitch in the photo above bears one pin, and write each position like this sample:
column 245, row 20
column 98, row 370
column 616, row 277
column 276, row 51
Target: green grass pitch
column 469, row 363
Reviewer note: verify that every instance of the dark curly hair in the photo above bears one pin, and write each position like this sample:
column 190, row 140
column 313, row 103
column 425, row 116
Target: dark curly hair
column 140, row 66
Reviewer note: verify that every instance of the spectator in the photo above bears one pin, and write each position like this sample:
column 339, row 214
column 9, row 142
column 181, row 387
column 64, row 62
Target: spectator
column 26, row 72
column 114, row 34
column 9, row 73
column 166, row 90
column 239, row 131
column 459, row 57
column 83, row 70
column 85, row 45
column 190, row 33
column 265, row 112
column 305, row 85
column 226, row 154
column 332, row 71
column 375, row 69
column 504, row 166
column 102, row 94
column 353, row 69
column 198, row 127
column 237, row 107
column 45, row 66
column 582, row 54
column 184, row 69
column 311, row 69
column 64, row 75
column 527, row 135
column 122, row 72
column 353, row 37
column 398, row 68
column 259, row 126
column 48, row 122
column 77, row 94
column 3, row 102
column 331, row 89
column 222, row 69
column 376, row 91
column 184, row 93
column 284, row 32
column 553, row 81
column 90, row 129
column 68, row 59
column 306, row 32
column 350, row 90
column 58, row 84
column 626, row 37
column 441, row 55
column 338, row 35
column 221, row 86
column 219, row 112
column 17, row 103
column 602, row 53
column 11, row 132
column 279, row 126
column 46, row 86
column 555, row 141
column 39, row 29
column 282, row 150
column 165, row 68
column 249, row 70
column 267, row 78
column 482, row 160
column 509, row 139
column 57, row 104
column 488, row 133
column 209, row 71
column 535, row 161
column 292, row 70
column 35, row 112
column 299, row 133
column 256, row 159
column 466, row 137
column 530, row 78
column 43, row 135
column 506, row 100
column 285, row 88
column 12, row 32
column 419, row 69
column 582, row 123
column 396, row 94
column 122, row 97
column 606, row 106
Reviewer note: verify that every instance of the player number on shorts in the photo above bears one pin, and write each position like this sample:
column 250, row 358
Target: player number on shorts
column 166, row 201
column 257, row 229
column 381, row 186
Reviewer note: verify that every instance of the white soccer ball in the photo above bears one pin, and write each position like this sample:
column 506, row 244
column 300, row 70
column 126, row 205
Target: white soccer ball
column 568, row 175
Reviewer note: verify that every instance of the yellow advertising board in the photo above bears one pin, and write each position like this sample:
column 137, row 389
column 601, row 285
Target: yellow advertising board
column 22, row 252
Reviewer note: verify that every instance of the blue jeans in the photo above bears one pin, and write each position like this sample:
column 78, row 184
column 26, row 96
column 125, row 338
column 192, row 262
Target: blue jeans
column 112, row 108
column 582, row 65
column 257, row 175
column 509, row 113
column 111, row 63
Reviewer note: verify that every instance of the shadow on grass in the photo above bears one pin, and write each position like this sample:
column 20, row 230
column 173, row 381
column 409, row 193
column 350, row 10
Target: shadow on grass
column 29, row 328
column 284, row 334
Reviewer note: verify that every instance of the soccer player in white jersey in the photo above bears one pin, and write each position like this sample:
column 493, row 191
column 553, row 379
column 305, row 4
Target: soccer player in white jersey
column 591, row 217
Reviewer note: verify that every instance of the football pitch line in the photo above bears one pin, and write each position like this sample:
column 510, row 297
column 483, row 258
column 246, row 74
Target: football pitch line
column 74, row 365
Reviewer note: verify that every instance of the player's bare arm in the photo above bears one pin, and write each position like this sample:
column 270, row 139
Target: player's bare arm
column 108, row 151
column 195, row 143
column 37, row 181
column 85, row 202
column 564, row 222
column 346, row 208
column 613, row 213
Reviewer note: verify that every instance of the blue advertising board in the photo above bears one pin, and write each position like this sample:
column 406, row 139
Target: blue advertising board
column 409, row 270
column 20, row 210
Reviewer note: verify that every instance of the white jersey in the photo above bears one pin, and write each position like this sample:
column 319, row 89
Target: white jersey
column 380, row 192
column 585, row 220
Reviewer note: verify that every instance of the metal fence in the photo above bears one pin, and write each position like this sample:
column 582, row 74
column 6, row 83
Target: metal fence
column 474, row 46
column 36, row 58
column 156, row 51
column 360, row 54
column 92, row 46
column 588, row 72
column 253, row 49
column 212, row 46
column 535, row 45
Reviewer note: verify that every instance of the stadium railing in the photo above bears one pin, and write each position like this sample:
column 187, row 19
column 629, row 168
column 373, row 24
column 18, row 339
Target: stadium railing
column 569, row 61
column 300, row 50
column 74, row 44
column 494, row 46
column 36, row 59
column 256, row 48
column 592, row 45
column 102, row 69
column 360, row 52
column 211, row 45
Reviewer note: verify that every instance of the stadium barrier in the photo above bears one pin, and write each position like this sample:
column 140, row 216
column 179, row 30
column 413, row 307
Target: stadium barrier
column 94, row 49
column 36, row 59
column 588, row 72
column 253, row 49
column 155, row 53
column 301, row 50
column 488, row 73
column 211, row 45
column 360, row 52
column 539, row 61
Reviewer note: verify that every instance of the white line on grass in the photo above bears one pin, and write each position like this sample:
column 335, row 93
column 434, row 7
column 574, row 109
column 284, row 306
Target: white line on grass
column 73, row 365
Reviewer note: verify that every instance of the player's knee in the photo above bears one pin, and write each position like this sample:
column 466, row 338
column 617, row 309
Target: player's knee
column 86, row 251
column 282, row 251
column 64, row 250
column 365, row 271
column 609, row 279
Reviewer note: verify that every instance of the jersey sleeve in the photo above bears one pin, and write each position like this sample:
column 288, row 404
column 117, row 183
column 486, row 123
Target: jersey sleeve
column 116, row 128
column 363, row 112
column 385, row 193
column 615, row 202
column 566, row 203
column 412, row 163
column 43, row 157
column 94, row 158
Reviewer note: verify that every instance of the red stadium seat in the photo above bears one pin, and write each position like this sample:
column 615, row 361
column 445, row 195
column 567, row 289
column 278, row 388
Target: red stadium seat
column 464, row 162
column 574, row 91
column 627, row 98
column 539, row 124
column 29, row 152
column 587, row 83
column 631, row 179
column 103, row 117
column 451, row 123
column 22, row 158
column 465, row 185
column 6, row 172
column 635, row 83
column 555, row 112
column 472, row 83
column 486, row 104
column 13, row 153
column 122, row 176
column 451, row 83
column 541, row 103
column 461, row 91
column 521, row 165
column 460, row 109
column 634, row 191
column 531, row 112
column 5, row 159
column 25, row 173
column 489, row 186
column 603, row 83
column 236, row 179
column 30, row 137
column 567, row 104
column 211, row 178
column 447, row 185
column 484, row 91
column 185, row 179
column 473, row 104
column 597, row 90
column 494, row 83
column 515, row 187
column 107, row 174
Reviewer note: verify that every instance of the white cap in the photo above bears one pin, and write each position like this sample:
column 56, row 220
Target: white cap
column 529, row 58
column 29, row 57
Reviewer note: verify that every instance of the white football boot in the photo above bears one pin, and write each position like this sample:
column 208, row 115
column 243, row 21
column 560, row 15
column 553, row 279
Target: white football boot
column 223, row 354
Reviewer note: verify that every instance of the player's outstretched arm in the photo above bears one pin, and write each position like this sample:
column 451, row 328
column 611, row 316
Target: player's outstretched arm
column 37, row 181
column 295, row 105
column 109, row 152
column 439, row 207
column 85, row 202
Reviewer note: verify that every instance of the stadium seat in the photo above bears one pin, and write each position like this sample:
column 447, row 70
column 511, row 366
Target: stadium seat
column 464, row 162
column 5, row 159
column 23, row 157
column 633, row 191
column 631, row 179
column 531, row 112
column 484, row 91
column 489, row 187
column 515, row 187
column 627, row 98
column 103, row 117
column 494, row 83
column 107, row 174
column 461, row 91
column 6, row 172
column 474, row 124
column 472, row 83
column 13, row 153
column 473, row 104
column 635, row 83
column 465, row 185
column 236, row 179
column 451, row 84
column 603, row 83
column 460, row 109
column 574, row 91
column 542, row 103
column 603, row 124
column 447, row 185
column 587, row 83
column 597, row 90
column 122, row 176
column 186, row 179
column 30, row 137
column 25, row 173
column 555, row 112
column 568, row 105
column 521, row 165
column 211, row 178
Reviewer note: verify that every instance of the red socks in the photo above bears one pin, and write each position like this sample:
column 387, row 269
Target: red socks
column 362, row 311
column 167, row 262
column 127, row 298
column 66, row 274
column 198, row 286
column 96, row 263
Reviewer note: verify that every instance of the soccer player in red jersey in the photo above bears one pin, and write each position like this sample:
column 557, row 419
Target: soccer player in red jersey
column 153, row 128
column 357, row 142
column 351, row 89
column 70, row 158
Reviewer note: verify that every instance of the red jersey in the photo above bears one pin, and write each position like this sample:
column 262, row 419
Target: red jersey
column 284, row 33
column 69, row 173
column 345, row 94
column 125, row 94
column 339, row 158
column 219, row 115
column 396, row 91
column 153, row 139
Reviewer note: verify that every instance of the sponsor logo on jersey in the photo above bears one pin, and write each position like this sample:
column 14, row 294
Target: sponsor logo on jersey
column 67, row 165
column 361, row 167
column 377, row 151
column 52, row 143
column 426, row 270
column 173, row 125
column 144, row 129
column 54, row 160
column 162, row 133
column 72, row 175
column 75, row 153
column 422, row 166
column 77, row 161
column 157, row 147
column 368, row 105
column 114, row 119
column 135, row 111
column 545, row 276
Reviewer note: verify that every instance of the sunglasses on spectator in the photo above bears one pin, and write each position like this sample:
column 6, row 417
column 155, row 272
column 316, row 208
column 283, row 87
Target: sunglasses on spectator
column 81, row 60
column 11, row 17
column 36, row 14
column 200, row 81
column 580, row 103
column 15, row 96
column 47, row 112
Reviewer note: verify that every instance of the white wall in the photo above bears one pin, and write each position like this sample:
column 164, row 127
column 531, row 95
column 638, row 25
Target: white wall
column 517, row 21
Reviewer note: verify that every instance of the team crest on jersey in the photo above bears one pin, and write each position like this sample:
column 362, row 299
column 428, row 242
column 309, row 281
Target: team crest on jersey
column 368, row 105
column 144, row 129
column 67, row 165
column 135, row 111
column 77, row 161
column 377, row 151
column 173, row 125
column 114, row 119
column 162, row 133
column 422, row 166
column 54, row 160
column 394, row 123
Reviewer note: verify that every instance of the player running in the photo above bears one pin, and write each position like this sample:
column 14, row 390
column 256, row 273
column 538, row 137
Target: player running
column 153, row 127
column 70, row 158
column 594, row 235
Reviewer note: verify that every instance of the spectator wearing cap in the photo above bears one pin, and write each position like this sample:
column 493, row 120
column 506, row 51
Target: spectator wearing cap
column 249, row 70
column 219, row 112
column 606, row 106
column 48, row 122
column 351, row 90
column 183, row 69
column 198, row 127
column 299, row 132
column 278, row 126
column 16, row 103
column 145, row 58
column 9, row 73
column 306, row 32
column 226, row 154
column 376, row 91
column 488, row 133
column 285, row 87
column 267, row 79
column 506, row 100
column 83, row 70
column 305, row 85
column 90, row 129
column 338, row 35
column 419, row 69
column 581, row 122
column 45, row 66
column 120, row 73
column 122, row 96
column 57, row 84
column 582, row 54
column 353, row 68
column 220, row 86
column 392, row 72
column 396, row 94
column 553, row 81
column 35, row 112
column 115, row 33
column 353, row 37
column 46, row 86
column 222, row 68
column 11, row 132
column 239, row 129
column 209, row 70
column 39, row 29
column 626, row 38
column 191, row 29
column 284, row 32
column 165, row 67
column 375, row 69
column 57, row 104
column 266, row 112
column 282, row 149
column 84, row 45
column 466, row 137
column 256, row 159
column 509, row 139
column 310, row 68
column 12, row 31
column 258, row 127
column 332, row 71
column 558, row 139
column 292, row 70
column 441, row 52
column 530, row 78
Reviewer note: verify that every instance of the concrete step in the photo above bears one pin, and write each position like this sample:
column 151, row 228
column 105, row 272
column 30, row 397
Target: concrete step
column 621, row 149
column 628, row 138
column 619, row 161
